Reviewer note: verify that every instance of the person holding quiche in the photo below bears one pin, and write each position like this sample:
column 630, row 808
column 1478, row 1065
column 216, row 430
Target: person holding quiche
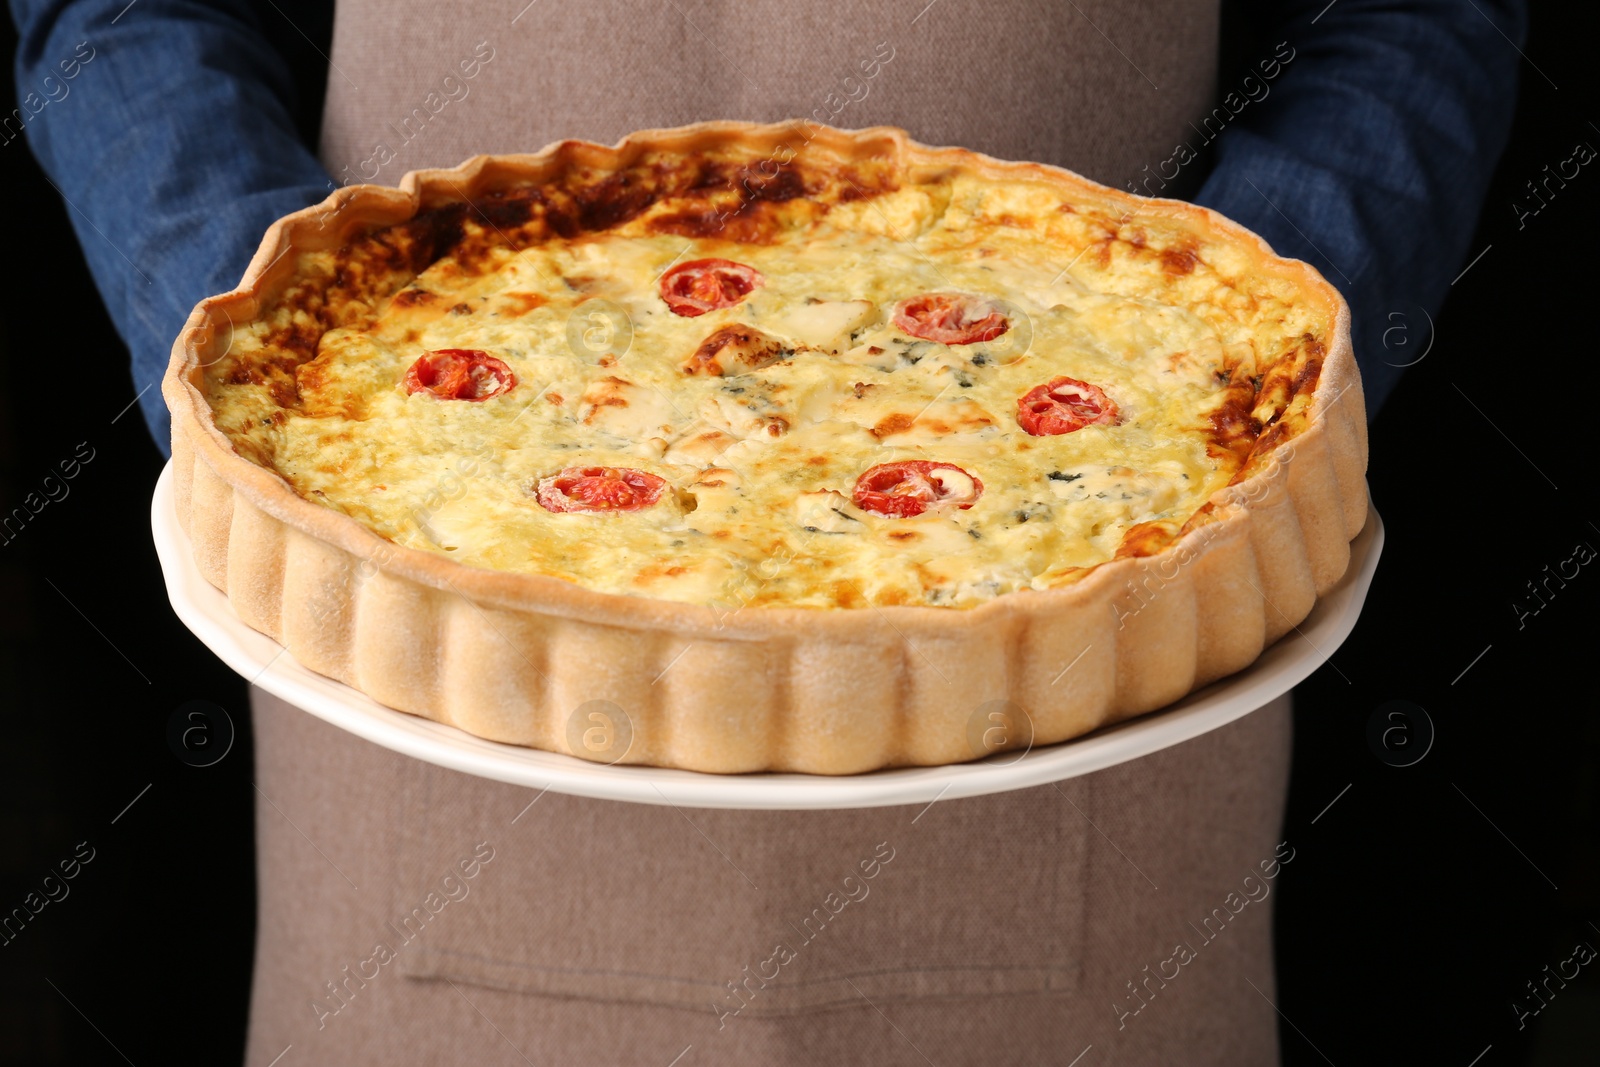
column 792, row 442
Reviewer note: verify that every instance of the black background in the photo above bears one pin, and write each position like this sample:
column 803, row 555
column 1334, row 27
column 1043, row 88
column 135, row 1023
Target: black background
column 1418, row 906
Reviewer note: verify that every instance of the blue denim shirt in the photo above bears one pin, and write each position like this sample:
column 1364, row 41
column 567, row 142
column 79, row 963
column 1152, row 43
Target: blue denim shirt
column 165, row 125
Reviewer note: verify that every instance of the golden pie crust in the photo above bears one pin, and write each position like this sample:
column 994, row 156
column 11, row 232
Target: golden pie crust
column 519, row 658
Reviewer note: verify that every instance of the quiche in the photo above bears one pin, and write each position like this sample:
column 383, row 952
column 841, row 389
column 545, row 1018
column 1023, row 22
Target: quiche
column 774, row 447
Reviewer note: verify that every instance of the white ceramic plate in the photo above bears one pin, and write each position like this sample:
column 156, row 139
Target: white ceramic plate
column 264, row 662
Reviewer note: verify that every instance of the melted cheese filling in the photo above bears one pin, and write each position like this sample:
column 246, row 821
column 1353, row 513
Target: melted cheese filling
column 762, row 463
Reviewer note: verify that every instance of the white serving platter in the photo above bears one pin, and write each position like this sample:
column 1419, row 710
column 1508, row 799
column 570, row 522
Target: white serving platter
column 264, row 662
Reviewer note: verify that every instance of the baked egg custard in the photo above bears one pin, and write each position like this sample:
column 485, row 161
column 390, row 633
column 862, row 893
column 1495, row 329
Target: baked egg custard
column 737, row 380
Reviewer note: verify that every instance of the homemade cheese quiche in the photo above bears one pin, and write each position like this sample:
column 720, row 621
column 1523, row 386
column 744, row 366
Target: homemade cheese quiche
column 776, row 447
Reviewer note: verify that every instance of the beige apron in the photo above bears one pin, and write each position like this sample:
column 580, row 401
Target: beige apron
column 413, row 915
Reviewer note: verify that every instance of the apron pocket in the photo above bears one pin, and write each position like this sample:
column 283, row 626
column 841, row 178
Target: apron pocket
column 741, row 913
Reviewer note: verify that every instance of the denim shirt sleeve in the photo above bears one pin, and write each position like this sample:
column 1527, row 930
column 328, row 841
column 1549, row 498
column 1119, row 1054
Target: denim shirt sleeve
column 1371, row 155
column 165, row 126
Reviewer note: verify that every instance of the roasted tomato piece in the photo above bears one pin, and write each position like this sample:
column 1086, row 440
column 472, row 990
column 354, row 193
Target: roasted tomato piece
column 460, row 374
column 703, row 285
column 599, row 489
column 951, row 318
column 1063, row 405
column 910, row 487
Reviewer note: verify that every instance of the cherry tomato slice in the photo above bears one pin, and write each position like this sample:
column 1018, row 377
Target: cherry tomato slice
column 1063, row 405
column 950, row 318
column 703, row 285
column 460, row 374
column 910, row 487
column 599, row 489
